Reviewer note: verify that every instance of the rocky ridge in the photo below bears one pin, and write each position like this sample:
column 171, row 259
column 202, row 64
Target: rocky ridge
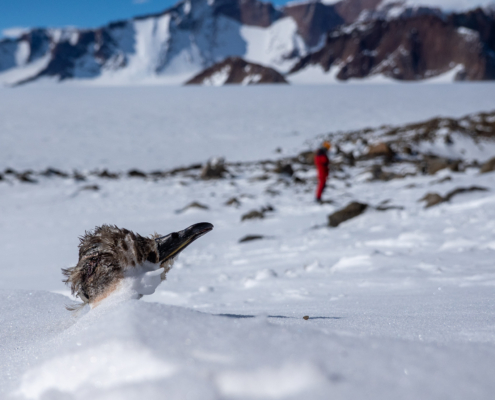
column 350, row 38
column 235, row 70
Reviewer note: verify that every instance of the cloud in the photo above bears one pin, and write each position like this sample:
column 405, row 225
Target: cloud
column 140, row 1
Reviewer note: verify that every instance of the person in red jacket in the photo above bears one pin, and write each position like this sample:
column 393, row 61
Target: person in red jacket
column 323, row 167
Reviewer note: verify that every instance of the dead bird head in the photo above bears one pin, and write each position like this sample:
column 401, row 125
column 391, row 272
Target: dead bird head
column 109, row 254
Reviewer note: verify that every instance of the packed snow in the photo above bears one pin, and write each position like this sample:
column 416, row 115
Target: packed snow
column 72, row 127
column 399, row 303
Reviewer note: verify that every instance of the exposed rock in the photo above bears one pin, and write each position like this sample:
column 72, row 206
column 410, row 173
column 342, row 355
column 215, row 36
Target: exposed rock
column 387, row 208
column 78, row 176
column 489, row 166
column 432, row 165
column 444, row 179
column 249, row 12
column 253, row 214
column 194, row 204
column 249, row 238
column 411, row 48
column 180, row 170
column 284, row 169
column 214, row 169
column 352, row 210
column 26, row 177
column 54, row 172
column 135, row 173
column 257, row 214
column 313, row 19
column 380, row 149
column 235, row 70
column 457, row 191
column 433, row 199
column 306, row 157
column 233, row 202
column 93, row 188
column 263, row 177
column 107, row 174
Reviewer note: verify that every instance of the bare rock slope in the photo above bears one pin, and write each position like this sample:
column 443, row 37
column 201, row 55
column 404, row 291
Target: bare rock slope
column 235, row 70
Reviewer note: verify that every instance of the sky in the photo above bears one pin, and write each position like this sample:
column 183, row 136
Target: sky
column 81, row 13
column 94, row 13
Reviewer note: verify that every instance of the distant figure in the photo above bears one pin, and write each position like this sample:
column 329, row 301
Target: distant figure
column 323, row 167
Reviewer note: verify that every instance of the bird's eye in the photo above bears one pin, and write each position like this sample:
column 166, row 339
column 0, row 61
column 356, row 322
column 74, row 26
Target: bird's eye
column 174, row 235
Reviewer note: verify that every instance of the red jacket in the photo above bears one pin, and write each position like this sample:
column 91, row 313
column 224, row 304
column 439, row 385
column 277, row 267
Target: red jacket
column 322, row 162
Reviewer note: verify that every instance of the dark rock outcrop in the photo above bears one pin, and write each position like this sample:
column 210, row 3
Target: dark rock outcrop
column 214, row 169
column 352, row 210
column 489, row 166
column 257, row 214
column 235, row 70
column 432, row 199
column 412, row 48
column 248, row 12
column 250, row 238
column 314, row 19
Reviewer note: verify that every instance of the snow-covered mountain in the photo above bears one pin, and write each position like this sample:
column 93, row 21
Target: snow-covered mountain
column 172, row 46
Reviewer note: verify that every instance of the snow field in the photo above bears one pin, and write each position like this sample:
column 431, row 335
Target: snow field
column 119, row 128
column 400, row 302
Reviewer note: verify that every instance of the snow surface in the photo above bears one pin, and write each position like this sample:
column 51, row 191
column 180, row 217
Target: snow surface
column 446, row 5
column 150, row 128
column 400, row 303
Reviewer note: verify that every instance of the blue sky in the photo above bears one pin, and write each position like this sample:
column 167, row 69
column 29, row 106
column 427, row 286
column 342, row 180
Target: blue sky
column 82, row 13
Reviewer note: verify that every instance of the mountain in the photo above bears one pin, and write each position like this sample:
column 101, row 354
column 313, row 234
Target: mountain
column 235, row 70
column 416, row 47
column 172, row 46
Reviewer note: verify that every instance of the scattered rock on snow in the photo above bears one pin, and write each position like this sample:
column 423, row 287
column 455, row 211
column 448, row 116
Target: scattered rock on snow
column 432, row 199
column 78, row 176
column 489, row 166
column 350, row 211
column 194, row 204
column 249, row 238
column 93, row 188
column 214, row 169
column 457, row 191
column 257, row 214
column 380, row 149
column 135, row 173
column 253, row 214
column 444, row 179
column 26, row 177
column 386, row 208
column 54, row 172
column 233, row 201
column 284, row 169
column 107, row 174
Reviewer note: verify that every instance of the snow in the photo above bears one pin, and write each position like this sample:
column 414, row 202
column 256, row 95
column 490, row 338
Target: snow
column 446, row 5
column 14, row 32
column 271, row 46
column 162, row 128
column 400, row 303
column 218, row 78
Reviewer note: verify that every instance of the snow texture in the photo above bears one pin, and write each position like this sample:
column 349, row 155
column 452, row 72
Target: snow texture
column 399, row 303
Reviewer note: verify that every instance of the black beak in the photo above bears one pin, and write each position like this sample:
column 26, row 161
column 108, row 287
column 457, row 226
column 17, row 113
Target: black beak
column 171, row 245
